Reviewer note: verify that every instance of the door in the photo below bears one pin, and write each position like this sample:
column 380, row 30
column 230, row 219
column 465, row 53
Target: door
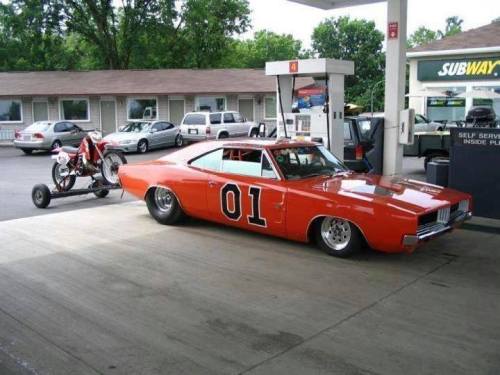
column 247, row 193
column 75, row 134
column 62, row 132
column 246, row 108
column 40, row 111
column 157, row 136
column 171, row 132
column 108, row 117
column 230, row 125
column 176, row 108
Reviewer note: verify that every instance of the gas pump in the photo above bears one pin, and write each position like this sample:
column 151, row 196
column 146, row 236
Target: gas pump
column 324, row 123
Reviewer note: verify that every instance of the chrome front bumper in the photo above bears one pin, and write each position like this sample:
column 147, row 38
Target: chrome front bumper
column 435, row 230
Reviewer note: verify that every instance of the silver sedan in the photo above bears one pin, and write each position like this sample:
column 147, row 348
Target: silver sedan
column 144, row 136
column 47, row 135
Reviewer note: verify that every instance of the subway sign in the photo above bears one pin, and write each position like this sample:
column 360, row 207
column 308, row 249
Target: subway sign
column 485, row 68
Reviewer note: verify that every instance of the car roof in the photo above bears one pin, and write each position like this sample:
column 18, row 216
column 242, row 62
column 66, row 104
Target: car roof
column 208, row 113
column 197, row 149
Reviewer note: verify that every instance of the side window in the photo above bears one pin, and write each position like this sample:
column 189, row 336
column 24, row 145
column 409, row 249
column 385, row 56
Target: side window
column 228, row 118
column 215, row 118
column 60, row 127
column 159, row 126
column 267, row 169
column 211, row 161
column 242, row 161
column 347, row 131
column 238, row 118
column 169, row 126
column 71, row 127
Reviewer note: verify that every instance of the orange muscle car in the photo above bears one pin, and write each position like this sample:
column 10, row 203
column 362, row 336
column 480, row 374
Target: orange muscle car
column 296, row 190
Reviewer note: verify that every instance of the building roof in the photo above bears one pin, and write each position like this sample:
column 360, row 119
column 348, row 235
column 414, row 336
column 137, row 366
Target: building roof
column 139, row 82
column 484, row 37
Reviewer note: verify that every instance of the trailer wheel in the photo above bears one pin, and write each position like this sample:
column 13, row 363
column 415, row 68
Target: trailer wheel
column 101, row 193
column 40, row 194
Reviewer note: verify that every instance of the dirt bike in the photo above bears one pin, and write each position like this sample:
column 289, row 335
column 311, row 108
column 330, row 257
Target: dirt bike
column 91, row 158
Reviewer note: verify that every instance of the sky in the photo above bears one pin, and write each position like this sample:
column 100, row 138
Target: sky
column 283, row 16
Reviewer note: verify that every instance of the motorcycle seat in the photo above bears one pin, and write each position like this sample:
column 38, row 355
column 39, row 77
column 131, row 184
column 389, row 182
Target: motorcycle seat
column 70, row 149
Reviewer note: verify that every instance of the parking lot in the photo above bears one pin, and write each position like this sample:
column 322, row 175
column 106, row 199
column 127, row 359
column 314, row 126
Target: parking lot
column 98, row 287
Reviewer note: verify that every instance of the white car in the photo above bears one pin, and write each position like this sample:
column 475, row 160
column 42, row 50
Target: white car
column 200, row 126
column 422, row 124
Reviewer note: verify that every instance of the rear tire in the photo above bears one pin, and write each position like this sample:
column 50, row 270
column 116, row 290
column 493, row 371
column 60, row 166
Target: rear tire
column 40, row 195
column 62, row 183
column 338, row 237
column 223, row 136
column 142, row 146
column 116, row 159
column 179, row 141
column 164, row 206
column 27, row 151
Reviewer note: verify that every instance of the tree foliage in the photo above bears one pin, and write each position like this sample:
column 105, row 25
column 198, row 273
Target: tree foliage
column 424, row 35
column 359, row 41
column 265, row 46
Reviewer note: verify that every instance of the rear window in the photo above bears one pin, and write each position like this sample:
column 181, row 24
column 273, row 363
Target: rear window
column 38, row 127
column 194, row 120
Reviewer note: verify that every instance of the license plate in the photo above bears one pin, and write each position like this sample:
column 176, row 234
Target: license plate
column 26, row 137
column 193, row 131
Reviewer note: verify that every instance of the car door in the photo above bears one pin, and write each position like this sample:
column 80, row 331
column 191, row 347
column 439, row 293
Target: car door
column 171, row 132
column 230, row 124
column 240, row 124
column 75, row 133
column 157, row 135
column 62, row 133
column 247, row 192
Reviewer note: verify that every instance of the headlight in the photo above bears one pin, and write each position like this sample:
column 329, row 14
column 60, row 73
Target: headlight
column 464, row 205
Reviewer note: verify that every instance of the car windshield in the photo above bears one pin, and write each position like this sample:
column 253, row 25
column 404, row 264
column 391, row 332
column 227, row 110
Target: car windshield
column 307, row 161
column 136, row 127
column 38, row 127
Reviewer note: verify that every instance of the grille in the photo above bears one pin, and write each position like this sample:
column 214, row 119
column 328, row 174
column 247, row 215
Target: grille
column 443, row 215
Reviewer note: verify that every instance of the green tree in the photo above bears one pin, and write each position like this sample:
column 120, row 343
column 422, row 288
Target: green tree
column 422, row 36
column 264, row 46
column 359, row 41
column 453, row 27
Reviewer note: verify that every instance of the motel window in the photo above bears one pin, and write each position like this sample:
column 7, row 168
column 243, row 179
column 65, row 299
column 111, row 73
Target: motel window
column 142, row 109
column 270, row 107
column 11, row 111
column 211, row 103
column 75, row 109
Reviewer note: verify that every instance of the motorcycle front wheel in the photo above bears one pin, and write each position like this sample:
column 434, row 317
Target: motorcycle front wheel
column 62, row 178
column 112, row 160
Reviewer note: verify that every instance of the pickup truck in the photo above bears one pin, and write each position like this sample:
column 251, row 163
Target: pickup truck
column 429, row 146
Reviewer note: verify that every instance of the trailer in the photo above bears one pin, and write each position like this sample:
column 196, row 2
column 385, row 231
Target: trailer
column 41, row 195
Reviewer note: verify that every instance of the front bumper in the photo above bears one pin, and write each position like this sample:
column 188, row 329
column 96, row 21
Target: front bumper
column 126, row 147
column 412, row 240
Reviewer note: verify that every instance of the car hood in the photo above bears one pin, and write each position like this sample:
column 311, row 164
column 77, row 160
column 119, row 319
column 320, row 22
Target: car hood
column 399, row 193
column 121, row 136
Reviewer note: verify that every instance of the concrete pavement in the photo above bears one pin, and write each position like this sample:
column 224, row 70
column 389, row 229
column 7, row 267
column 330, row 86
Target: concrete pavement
column 107, row 290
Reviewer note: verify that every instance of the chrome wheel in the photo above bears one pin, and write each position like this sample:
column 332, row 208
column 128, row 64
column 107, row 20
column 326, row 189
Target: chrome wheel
column 164, row 199
column 142, row 146
column 336, row 233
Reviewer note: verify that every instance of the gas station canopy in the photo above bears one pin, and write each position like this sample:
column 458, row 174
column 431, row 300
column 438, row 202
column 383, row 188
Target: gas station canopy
column 332, row 4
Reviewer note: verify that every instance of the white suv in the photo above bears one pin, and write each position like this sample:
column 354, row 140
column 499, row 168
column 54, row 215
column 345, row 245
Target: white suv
column 200, row 126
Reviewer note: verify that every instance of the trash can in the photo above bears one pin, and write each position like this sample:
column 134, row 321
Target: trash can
column 437, row 172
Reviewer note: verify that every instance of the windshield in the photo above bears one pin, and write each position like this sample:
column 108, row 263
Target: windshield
column 307, row 161
column 136, row 127
column 38, row 127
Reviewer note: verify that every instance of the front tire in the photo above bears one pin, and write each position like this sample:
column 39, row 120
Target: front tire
column 338, row 237
column 40, row 195
column 164, row 206
column 179, row 141
column 56, row 144
column 142, row 146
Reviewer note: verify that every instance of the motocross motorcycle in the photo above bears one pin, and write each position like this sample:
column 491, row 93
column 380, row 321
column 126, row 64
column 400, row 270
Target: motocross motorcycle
column 88, row 160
